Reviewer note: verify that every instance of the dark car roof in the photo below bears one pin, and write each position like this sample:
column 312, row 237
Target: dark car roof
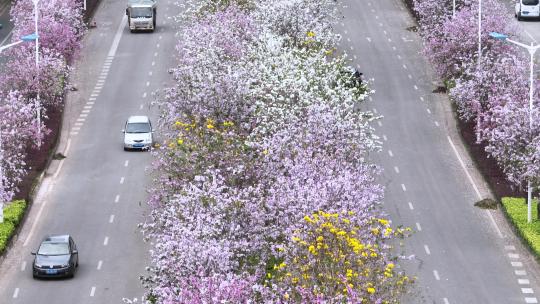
column 57, row 238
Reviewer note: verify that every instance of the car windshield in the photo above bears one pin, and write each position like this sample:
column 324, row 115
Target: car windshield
column 53, row 249
column 530, row 2
column 144, row 12
column 138, row 127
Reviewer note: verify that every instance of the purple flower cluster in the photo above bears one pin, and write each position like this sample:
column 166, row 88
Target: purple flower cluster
column 60, row 31
column 492, row 90
column 262, row 129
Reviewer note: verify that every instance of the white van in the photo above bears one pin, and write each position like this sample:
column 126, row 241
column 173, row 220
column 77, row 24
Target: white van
column 527, row 9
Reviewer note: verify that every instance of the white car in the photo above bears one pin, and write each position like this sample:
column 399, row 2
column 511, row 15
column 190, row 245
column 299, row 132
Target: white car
column 138, row 133
column 527, row 9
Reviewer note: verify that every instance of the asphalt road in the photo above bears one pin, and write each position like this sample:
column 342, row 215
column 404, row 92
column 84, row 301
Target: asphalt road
column 5, row 31
column 97, row 194
column 463, row 254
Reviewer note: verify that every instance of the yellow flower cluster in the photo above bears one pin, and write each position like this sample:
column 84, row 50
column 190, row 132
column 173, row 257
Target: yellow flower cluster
column 331, row 258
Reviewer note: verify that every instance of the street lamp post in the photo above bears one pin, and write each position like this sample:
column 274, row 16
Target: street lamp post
column 532, row 50
column 478, row 67
column 38, row 103
column 23, row 39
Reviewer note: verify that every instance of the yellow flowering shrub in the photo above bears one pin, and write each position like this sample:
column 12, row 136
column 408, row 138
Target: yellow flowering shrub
column 334, row 258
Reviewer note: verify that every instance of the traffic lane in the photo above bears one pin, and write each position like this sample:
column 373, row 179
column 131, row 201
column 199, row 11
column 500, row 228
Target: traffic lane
column 82, row 211
column 524, row 269
column 87, row 145
column 444, row 213
column 393, row 87
column 128, row 91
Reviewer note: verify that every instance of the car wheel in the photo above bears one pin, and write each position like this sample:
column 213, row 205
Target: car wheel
column 519, row 17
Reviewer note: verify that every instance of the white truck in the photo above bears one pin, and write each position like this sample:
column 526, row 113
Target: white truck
column 141, row 15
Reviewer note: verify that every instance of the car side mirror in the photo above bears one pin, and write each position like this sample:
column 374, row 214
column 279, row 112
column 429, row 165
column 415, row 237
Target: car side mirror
column 75, row 251
column 123, row 131
column 33, row 253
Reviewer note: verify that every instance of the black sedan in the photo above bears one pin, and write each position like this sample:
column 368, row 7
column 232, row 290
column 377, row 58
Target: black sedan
column 57, row 256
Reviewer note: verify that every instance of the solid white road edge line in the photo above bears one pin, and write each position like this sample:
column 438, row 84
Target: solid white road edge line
column 117, row 36
column 36, row 220
column 473, row 184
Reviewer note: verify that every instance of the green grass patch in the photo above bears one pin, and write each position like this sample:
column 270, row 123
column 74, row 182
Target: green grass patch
column 13, row 214
column 516, row 209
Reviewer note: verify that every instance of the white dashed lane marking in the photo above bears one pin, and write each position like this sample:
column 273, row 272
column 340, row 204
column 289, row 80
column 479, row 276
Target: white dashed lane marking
column 117, row 198
column 411, row 206
column 523, row 282
column 93, row 291
column 513, row 255
column 23, row 266
column 385, row 138
column 516, row 264
column 436, row 123
column 122, row 180
column 16, row 293
column 106, row 241
column 426, row 248
column 111, row 218
column 531, row 300
column 126, row 163
column 436, row 275
column 100, row 263
column 418, row 227
column 396, row 169
column 520, row 272
column 403, row 187
column 527, row 290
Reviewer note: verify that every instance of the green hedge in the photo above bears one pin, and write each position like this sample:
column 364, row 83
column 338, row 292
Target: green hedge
column 516, row 209
column 13, row 214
